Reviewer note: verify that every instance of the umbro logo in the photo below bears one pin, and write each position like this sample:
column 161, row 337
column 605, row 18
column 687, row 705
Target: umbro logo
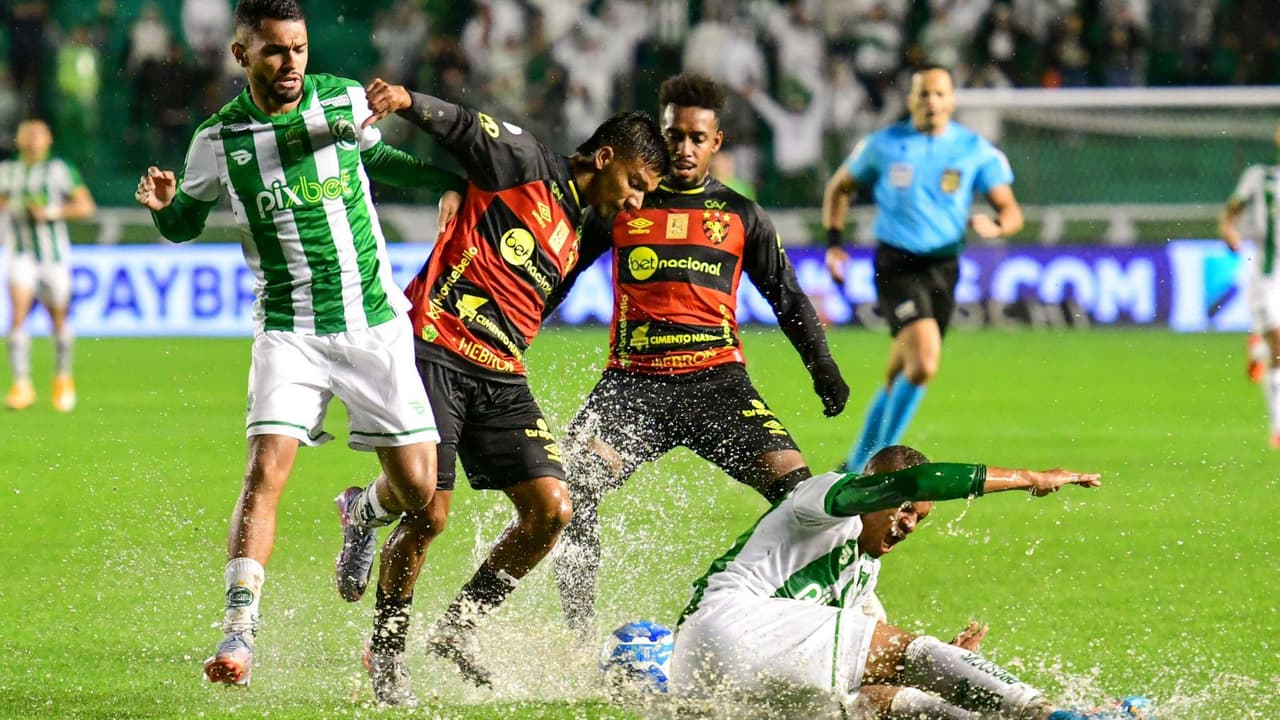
column 242, row 157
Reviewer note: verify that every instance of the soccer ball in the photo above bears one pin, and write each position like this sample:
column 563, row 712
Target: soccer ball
column 637, row 657
column 1138, row 707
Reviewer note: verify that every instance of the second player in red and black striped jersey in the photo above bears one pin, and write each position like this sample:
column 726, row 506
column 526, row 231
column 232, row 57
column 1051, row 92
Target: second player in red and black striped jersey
column 677, row 265
column 477, row 302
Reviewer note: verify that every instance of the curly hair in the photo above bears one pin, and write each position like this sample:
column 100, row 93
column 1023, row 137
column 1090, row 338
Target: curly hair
column 692, row 90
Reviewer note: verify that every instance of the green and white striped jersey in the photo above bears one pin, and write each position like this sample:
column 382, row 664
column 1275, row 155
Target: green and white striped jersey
column 50, row 182
column 299, row 190
column 806, row 547
column 1258, row 191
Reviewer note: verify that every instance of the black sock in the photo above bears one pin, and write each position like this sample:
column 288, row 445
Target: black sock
column 390, row 624
column 485, row 591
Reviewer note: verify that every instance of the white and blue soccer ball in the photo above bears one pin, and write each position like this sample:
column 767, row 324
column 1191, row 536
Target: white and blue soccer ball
column 1137, row 706
column 637, row 657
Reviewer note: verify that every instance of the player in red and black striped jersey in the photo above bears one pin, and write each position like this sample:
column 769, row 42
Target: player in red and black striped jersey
column 477, row 304
column 676, row 373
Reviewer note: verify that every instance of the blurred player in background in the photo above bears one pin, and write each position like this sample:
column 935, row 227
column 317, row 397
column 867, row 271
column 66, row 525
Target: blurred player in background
column 777, row 617
column 1256, row 194
column 40, row 194
column 922, row 172
column 477, row 305
column 293, row 155
column 676, row 374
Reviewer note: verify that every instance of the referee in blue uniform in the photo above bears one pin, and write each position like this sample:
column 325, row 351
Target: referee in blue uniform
column 923, row 173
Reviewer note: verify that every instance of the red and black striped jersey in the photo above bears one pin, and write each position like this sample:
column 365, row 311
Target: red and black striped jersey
column 677, row 264
column 478, row 301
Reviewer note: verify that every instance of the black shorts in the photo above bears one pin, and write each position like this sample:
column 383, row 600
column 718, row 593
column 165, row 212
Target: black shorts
column 495, row 428
column 910, row 287
column 716, row 413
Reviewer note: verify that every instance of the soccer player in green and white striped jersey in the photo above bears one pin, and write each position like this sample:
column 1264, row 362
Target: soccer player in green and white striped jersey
column 1256, row 199
column 293, row 158
column 40, row 194
column 779, row 616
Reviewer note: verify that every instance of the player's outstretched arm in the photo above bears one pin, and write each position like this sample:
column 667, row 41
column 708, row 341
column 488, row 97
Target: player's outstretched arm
column 1039, row 482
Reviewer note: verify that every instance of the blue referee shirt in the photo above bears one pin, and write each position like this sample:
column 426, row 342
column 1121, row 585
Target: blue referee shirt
column 923, row 184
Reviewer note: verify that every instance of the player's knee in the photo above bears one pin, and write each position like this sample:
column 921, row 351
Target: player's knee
column 427, row 524
column 922, row 370
column 550, row 511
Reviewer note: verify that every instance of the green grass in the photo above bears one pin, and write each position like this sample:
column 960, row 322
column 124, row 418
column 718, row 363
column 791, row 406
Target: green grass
column 113, row 521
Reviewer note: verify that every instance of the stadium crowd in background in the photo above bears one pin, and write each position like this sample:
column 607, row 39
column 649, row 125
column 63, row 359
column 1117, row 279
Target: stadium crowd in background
column 560, row 67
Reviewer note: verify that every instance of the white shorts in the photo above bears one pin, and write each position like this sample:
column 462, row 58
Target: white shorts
column 772, row 650
column 1264, row 301
column 373, row 372
column 50, row 282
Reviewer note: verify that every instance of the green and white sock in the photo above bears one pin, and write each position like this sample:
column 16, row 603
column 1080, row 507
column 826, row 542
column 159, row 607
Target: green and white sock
column 244, row 578
column 20, row 354
column 971, row 681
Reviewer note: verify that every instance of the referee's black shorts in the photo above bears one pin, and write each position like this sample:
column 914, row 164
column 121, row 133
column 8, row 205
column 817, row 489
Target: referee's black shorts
column 911, row 287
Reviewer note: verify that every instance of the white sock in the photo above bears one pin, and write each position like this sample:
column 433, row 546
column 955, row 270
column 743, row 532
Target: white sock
column 244, row 578
column 20, row 354
column 62, row 343
column 912, row 704
column 1271, row 386
column 969, row 680
column 369, row 513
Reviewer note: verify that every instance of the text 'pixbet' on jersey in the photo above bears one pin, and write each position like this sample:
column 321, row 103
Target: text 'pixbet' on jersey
column 305, row 192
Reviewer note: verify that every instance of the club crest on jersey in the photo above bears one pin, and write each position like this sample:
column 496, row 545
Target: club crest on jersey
column 344, row 133
column 950, row 180
column 715, row 225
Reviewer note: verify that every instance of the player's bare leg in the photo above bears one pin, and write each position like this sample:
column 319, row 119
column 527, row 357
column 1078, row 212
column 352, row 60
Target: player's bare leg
column 914, row 356
column 403, row 556
column 592, row 470
column 22, row 393
column 249, row 544
column 64, row 387
column 543, row 509
column 1271, row 382
column 406, row 485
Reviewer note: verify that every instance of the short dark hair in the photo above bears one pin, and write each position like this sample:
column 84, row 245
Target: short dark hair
column 632, row 135
column 692, row 90
column 930, row 67
column 895, row 457
column 251, row 13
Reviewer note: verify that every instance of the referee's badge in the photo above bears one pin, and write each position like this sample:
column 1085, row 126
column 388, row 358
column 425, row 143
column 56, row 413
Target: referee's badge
column 950, row 180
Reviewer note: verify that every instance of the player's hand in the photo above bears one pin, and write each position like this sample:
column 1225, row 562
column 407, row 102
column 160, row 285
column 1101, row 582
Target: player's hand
column 156, row 189
column 384, row 99
column 830, row 386
column 1231, row 237
column 40, row 213
column 986, row 226
column 1046, row 482
column 449, row 204
column 971, row 637
column 837, row 260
